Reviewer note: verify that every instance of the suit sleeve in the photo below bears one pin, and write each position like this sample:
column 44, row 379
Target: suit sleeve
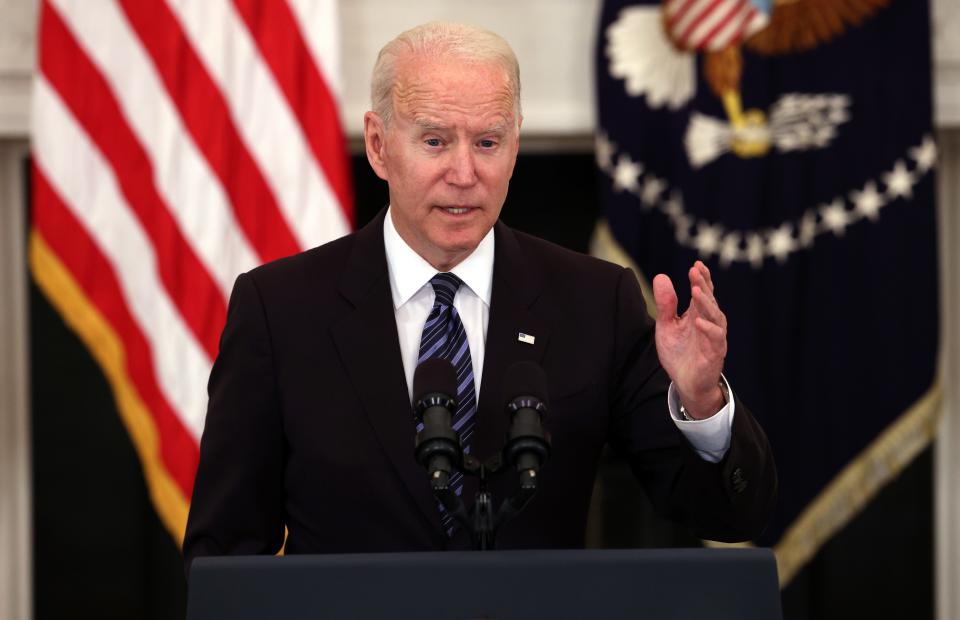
column 237, row 505
column 726, row 501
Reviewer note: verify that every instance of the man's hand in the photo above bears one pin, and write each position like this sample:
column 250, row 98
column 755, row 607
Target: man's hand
column 692, row 346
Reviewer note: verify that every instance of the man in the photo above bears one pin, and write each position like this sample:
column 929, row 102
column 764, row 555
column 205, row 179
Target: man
column 310, row 425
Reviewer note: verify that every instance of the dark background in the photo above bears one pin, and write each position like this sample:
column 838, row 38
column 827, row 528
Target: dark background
column 101, row 552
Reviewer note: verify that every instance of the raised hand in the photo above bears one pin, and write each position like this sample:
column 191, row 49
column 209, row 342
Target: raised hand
column 692, row 346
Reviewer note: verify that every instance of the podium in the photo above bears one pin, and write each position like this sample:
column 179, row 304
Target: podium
column 494, row 585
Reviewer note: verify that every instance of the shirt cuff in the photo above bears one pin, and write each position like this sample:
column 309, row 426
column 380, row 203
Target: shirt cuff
column 709, row 437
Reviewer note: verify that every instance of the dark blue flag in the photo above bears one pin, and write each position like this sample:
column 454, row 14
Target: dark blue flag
column 789, row 146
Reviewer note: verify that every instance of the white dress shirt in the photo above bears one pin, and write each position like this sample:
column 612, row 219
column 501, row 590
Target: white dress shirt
column 413, row 299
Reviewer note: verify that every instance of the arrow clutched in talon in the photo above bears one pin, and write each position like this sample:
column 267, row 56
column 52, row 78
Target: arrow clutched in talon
column 795, row 122
column 751, row 136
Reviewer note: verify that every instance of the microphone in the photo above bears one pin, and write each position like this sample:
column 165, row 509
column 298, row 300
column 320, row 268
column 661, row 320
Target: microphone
column 437, row 445
column 528, row 445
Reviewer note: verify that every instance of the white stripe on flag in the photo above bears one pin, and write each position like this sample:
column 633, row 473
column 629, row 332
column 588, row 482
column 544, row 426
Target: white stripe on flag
column 192, row 192
column 263, row 118
column 688, row 18
column 714, row 18
column 731, row 29
column 88, row 187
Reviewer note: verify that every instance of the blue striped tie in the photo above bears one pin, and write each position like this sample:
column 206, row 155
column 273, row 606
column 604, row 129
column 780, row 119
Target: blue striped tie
column 444, row 337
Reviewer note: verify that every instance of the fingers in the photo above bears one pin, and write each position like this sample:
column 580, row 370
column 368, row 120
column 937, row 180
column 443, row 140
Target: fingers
column 703, row 302
column 715, row 335
column 700, row 276
column 706, row 306
column 710, row 320
column 701, row 292
column 665, row 297
column 707, row 276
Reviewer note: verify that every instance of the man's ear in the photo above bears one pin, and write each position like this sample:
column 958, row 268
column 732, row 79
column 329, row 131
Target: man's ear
column 375, row 141
column 519, row 124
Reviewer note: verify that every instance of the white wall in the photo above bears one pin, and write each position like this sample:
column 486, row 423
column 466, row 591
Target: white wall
column 17, row 37
column 553, row 40
column 15, row 522
column 947, row 451
column 946, row 54
column 16, row 62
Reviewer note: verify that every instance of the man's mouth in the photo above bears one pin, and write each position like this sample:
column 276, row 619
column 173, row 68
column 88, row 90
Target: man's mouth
column 456, row 210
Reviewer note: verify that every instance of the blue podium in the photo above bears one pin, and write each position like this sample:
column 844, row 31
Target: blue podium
column 704, row 584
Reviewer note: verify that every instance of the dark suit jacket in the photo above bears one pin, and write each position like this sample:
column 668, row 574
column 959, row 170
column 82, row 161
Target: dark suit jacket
column 310, row 426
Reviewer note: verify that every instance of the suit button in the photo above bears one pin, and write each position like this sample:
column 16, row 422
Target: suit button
column 738, row 481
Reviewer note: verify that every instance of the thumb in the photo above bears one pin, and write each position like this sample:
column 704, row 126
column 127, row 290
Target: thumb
column 665, row 297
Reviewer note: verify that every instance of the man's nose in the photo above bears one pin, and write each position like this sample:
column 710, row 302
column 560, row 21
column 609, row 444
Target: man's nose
column 462, row 169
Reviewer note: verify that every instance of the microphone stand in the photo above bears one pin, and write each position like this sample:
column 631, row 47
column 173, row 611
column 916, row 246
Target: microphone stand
column 482, row 521
column 438, row 447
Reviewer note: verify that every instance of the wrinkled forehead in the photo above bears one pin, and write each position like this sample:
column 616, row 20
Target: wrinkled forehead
column 426, row 85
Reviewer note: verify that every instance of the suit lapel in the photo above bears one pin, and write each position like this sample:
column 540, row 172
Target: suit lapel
column 368, row 345
column 517, row 284
column 367, row 342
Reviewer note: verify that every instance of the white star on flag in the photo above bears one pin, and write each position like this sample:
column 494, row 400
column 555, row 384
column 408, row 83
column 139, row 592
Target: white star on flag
column 673, row 207
column 683, row 224
column 869, row 202
column 626, row 173
column 780, row 242
column 604, row 151
column 899, row 181
column 730, row 248
column 808, row 229
column 707, row 240
column 925, row 155
column 835, row 217
column 755, row 249
column 651, row 190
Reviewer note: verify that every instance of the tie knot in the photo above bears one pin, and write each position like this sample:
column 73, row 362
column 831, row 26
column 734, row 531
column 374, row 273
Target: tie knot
column 445, row 286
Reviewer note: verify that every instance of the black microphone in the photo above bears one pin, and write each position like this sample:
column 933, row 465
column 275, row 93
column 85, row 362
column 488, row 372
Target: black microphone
column 528, row 445
column 437, row 445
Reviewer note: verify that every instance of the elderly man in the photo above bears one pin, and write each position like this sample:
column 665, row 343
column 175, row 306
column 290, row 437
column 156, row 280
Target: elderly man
column 310, row 425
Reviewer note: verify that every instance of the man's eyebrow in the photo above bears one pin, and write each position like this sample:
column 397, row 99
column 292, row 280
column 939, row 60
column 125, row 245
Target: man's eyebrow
column 426, row 123
column 498, row 128
column 434, row 125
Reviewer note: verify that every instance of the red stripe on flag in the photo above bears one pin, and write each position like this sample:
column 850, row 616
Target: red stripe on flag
column 207, row 117
column 281, row 43
column 685, row 36
column 680, row 13
column 94, row 273
column 745, row 25
column 88, row 96
column 743, row 10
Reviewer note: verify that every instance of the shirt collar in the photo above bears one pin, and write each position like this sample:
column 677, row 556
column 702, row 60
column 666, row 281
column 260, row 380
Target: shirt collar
column 409, row 272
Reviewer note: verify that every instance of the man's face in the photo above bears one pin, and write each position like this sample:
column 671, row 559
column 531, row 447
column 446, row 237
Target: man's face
column 447, row 155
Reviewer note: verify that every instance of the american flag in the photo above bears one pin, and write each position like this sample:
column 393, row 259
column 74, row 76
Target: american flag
column 177, row 144
column 712, row 25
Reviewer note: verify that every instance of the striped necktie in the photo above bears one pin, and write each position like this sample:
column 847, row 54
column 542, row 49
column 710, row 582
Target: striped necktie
column 444, row 337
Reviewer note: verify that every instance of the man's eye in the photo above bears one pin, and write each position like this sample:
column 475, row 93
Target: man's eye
column 487, row 144
column 432, row 141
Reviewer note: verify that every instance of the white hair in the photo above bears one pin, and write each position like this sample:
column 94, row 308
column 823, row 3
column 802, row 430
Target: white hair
column 440, row 39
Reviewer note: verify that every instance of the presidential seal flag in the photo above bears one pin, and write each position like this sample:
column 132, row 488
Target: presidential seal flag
column 788, row 144
column 177, row 144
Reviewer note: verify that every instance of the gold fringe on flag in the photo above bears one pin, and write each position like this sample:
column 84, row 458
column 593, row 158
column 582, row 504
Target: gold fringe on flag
column 82, row 316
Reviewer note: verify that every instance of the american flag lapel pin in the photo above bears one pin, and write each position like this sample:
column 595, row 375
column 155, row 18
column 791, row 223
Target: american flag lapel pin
column 527, row 338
